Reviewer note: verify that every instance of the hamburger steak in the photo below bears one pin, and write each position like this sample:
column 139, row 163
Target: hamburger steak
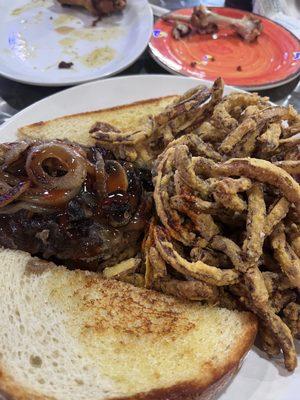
column 78, row 205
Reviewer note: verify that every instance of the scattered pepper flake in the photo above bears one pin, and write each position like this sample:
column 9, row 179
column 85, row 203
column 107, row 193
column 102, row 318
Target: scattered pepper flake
column 95, row 21
column 193, row 64
column 239, row 68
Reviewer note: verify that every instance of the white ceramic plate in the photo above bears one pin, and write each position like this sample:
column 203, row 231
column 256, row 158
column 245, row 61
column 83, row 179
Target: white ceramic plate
column 259, row 378
column 36, row 35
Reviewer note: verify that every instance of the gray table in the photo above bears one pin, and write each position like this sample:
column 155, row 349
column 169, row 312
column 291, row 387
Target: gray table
column 16, row 96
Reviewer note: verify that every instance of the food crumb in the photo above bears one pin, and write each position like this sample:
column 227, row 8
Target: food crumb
column 209, row 57
column 95, row 21
column 65, row 65
column 193, row 64
column 239, row 68
column 51, row 17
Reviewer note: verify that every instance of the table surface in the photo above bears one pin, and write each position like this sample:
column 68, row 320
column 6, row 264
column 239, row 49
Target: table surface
column 16, row 96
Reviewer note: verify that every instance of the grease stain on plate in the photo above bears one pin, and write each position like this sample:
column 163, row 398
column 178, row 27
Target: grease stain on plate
column 67, row 42
column 90, row 34
column 98, row 57
column 20, row 47
column 67, row 25
column 64, row 30
column 31, row 5
column 37, row 18
column 65, row 19
column 95, row 34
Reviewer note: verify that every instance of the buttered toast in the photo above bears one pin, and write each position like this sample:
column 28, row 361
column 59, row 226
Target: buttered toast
column 71, row 335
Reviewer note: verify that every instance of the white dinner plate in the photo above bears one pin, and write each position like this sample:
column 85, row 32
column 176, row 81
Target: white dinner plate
column 258, row 378
column 36, row 35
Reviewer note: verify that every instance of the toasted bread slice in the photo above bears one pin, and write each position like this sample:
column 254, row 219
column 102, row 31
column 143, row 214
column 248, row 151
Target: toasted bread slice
column 71, row 335
column 76, row 127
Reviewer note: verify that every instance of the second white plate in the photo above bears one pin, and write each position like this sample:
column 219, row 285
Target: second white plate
column 36, row 35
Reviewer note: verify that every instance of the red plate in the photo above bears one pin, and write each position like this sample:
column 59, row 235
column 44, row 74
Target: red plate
column 270, row 61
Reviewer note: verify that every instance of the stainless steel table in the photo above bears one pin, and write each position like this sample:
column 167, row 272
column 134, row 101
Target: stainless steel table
column 16, row 96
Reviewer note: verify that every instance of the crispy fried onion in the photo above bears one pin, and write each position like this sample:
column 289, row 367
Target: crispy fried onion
column 123, row 268
column 182, row 116
column 254, row 125
column 245, row 125
column 198, row 269
column 193, row 240
column 231, row 108
column 260, row 170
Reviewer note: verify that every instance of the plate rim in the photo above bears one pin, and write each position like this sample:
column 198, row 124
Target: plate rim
column 154, row 54
column 69, row 83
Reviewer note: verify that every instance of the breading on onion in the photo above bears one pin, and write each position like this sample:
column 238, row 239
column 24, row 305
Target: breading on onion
column 285, row 255
column 198, row 269
column 188, row 290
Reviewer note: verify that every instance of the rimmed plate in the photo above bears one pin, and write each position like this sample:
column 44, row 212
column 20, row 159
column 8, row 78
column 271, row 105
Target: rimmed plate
column 258, row 378
column 272, row 60
column 36, row 35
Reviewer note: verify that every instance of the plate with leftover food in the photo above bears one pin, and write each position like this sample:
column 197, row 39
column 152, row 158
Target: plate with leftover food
column 249, row 51
column 66, row 42
column 149, row 241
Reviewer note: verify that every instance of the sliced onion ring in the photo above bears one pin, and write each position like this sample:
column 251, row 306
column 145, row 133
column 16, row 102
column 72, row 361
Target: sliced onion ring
column 100, row 177
column 22, row 205
column 13, row 193
column 67, row 155
column 52, row 198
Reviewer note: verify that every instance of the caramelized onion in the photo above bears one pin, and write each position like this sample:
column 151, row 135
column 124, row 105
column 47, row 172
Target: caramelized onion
column 67, row 156
column 116, row 177
column 4, row 187
column 100, row 176
column 9, row 178
column 117, row 208
column 22, row 205
column 141, row 217
column 52, row 198
column 13, row 193
column 14, row 152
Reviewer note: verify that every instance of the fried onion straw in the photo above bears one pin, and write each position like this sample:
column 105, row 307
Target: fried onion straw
column 290, row 166
column 285, row 255
column 254, row 123
column 254, row 280
column 170, row 218
column 198, row 269
column 261, row 170
column 188, row 290
column 278, row 212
